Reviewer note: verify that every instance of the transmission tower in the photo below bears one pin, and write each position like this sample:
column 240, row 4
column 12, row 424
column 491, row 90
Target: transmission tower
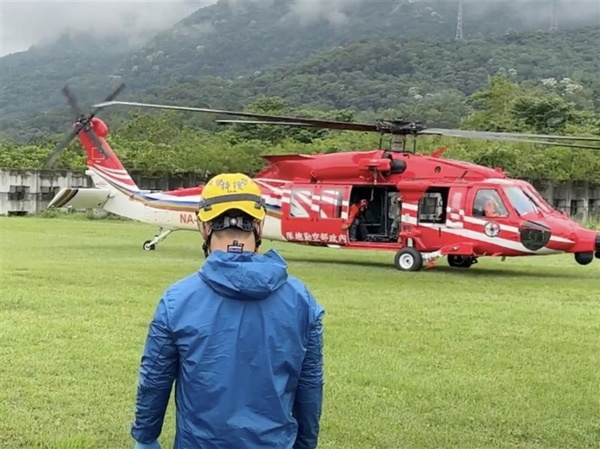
column 459, row 23
column 554, row 19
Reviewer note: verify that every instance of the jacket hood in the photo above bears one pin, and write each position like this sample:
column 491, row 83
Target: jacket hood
column 244, row 275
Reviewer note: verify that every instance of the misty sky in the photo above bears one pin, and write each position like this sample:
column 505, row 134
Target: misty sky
column 26, row 22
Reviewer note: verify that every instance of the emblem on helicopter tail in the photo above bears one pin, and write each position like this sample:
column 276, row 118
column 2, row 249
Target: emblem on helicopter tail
column 491, row 229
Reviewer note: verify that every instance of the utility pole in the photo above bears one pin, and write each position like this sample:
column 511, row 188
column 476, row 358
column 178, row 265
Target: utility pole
column 459, row 23
column 554, row 19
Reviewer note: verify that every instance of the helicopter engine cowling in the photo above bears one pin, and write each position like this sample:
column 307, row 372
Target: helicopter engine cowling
column 331, row 173
column 396, row 165
column 380, row 165
column 384, row 166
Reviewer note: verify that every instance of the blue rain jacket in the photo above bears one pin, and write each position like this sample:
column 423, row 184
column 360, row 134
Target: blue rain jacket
column 242, row 340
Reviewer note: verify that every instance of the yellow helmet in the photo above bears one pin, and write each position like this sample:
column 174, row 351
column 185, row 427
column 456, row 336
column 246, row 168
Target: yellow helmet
column 229, row 191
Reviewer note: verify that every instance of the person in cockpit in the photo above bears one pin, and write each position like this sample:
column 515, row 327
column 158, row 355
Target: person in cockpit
column 492, row 209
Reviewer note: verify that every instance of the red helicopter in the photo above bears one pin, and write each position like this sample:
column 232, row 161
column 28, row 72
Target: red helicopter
column 422, row 207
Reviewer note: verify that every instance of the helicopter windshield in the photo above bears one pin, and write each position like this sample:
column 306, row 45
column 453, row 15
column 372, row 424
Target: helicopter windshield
column 538, row 199
column 522, row 202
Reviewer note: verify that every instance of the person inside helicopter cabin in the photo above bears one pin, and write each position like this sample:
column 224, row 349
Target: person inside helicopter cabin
column 356, row 220
column 491, row 208
column 394, row 213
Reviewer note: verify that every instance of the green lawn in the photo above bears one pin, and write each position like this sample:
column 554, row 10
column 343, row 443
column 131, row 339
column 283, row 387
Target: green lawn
column 503, row 355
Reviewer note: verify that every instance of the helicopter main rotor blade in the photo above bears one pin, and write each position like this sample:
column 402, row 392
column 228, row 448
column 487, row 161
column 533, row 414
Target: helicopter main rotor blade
column 332, row 124
column 543, row 136
column 501, row 135
column 513, row 137
column 401, row 127
column 258, row 122
column 482, row 136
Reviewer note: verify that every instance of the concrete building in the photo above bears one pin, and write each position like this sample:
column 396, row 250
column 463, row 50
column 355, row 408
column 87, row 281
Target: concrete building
column 24, row 192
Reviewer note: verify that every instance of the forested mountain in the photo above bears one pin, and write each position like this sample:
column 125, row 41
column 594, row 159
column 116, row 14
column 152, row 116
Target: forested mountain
column 422, row 79
column 229, row 41
column 410, row 77
column 230, row 52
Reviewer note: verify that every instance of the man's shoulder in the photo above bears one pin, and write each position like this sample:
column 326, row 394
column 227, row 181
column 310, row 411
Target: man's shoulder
column 304, row 294
column 296, row 284
column 184, row 287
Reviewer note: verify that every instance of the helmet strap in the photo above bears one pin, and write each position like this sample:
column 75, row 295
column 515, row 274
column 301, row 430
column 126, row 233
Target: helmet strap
column 206, row 244
column 257, row 240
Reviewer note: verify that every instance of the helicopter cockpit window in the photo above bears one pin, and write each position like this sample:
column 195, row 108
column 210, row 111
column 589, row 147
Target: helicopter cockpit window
column 522, row 203
column 489, row 204
column 538, row 199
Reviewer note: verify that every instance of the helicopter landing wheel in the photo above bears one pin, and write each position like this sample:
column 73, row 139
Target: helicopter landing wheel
column 149, row 246
column 408, row 259
column 460, row 261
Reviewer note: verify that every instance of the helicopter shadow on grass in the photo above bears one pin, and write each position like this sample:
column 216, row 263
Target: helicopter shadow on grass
column 289, row 256
column 336, row 261
column 508, row 273
column 474, row 272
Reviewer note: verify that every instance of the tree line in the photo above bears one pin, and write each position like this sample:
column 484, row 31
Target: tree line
column 155, row 142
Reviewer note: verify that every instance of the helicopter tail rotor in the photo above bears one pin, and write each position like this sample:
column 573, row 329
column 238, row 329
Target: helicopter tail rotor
column 82, row 123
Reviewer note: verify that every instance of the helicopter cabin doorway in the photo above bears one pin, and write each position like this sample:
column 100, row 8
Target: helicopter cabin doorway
column 382, row 217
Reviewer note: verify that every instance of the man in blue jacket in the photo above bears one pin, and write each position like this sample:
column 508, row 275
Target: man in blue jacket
column 241, row 339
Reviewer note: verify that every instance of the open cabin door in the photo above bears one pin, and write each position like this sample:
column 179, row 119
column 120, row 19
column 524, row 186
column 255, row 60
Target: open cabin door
column 315, row 213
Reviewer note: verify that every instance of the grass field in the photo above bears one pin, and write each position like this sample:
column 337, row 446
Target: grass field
column 503, row 355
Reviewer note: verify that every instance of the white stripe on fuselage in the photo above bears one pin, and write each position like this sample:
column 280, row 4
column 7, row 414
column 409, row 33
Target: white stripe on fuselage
column 482, row 222
column 481, row 237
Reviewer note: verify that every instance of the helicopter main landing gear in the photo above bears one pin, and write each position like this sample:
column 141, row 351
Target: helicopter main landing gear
column 150, row 245
column 408, row 259
column 461, row 261
column 411, row 259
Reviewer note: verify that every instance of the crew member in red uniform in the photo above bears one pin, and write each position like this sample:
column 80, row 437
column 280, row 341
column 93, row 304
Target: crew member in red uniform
column 356, row 220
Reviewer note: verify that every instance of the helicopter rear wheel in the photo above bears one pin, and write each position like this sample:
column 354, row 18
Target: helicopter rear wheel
column 460, row 261
column 408, row 259
column 149, row 246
